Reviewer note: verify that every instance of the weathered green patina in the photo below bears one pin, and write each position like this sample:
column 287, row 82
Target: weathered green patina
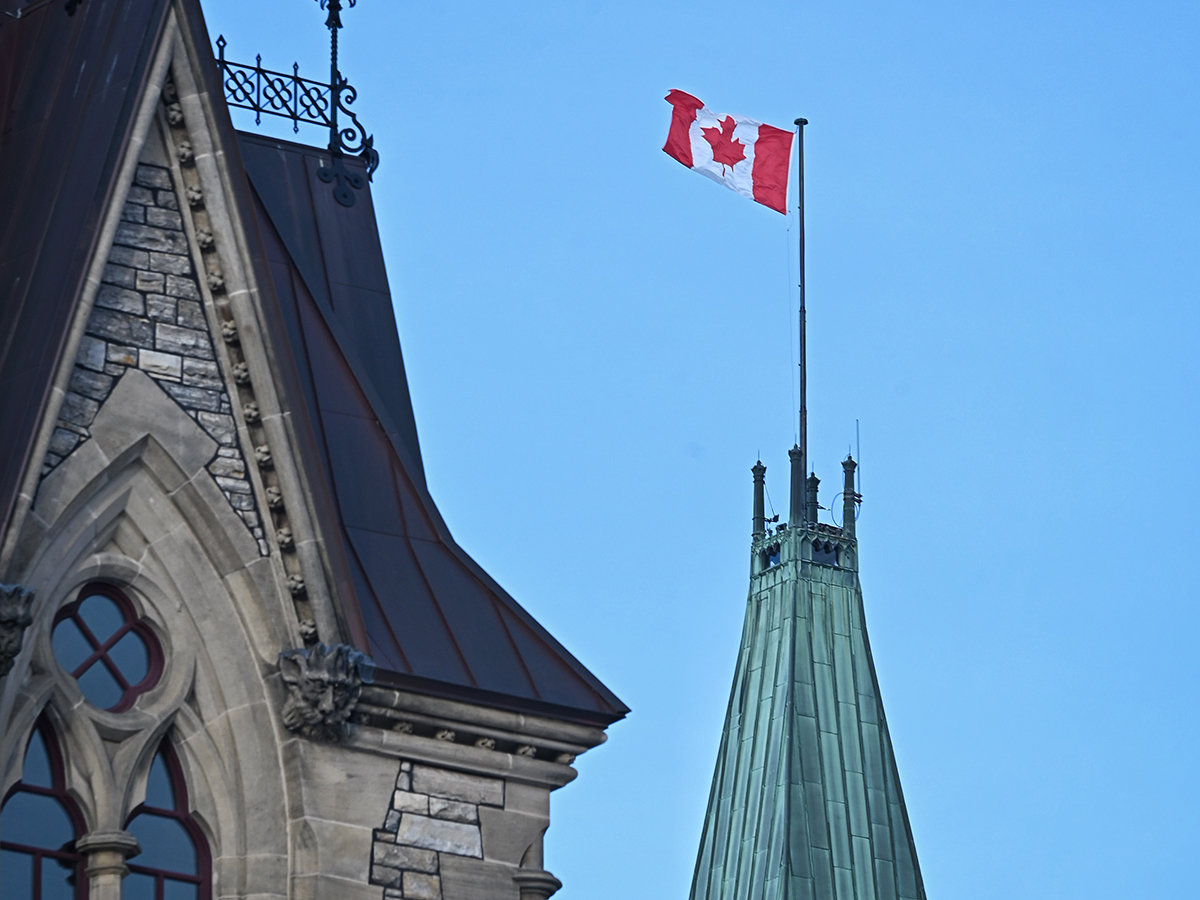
column 806, row 801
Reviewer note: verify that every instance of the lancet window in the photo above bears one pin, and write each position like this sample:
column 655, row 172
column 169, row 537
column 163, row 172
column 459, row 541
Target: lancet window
column 39, row 824
column 175, row 863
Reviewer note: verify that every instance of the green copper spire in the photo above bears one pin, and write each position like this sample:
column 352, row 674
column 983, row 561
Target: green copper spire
column 806, row 801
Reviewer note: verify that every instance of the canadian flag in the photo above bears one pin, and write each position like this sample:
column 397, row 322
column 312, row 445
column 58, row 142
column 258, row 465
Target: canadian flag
column 746, row 156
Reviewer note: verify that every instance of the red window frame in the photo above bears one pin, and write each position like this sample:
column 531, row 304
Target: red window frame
column 203, row 877
column 58, row 792
column 100, row 656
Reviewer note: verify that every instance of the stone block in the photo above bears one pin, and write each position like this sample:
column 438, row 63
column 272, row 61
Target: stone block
column 219, row 426
column 385, row 876
column 392, row 822
column 453, row 810
column 139, row 194
column 193, row 398
column 160, row 308
column 202, row 373
column 121, row 356
column 126, row 256
column 191, row 313
column 244, row 504
column 91, row 354
column 132, row 212
column 178, row 286
column 90, row 384
column 232, row 485
column 405, row 801
column 458, row 785
column 386, row 854
column 170, row 263
column 63, row 442
column 229, row 467
column 393, row 894
column 121, row 276
column 121, row 299
column 163, row 218
column 477, row 879
column 146, row 237
column 422, row 887
column 167, row 200
column 151, row 282
column 121, row 327
column 78, row 410
column 440, row 835
column 185, row 341
column 152, row 177
column 161, row 365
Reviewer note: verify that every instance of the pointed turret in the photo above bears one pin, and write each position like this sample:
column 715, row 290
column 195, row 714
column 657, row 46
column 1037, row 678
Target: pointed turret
column 806, row 801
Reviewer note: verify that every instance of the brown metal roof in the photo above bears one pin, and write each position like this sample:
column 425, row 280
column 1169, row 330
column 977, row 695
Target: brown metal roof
column 69, row 85
column 429, row 613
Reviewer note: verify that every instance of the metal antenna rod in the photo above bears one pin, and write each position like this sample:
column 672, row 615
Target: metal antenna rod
column 800, row 123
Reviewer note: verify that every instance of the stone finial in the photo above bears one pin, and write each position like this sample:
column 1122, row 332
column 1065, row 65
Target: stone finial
column 812, row 486
column 324, row 684
column 760, row 514
column 15, row 605
column 797, row 509
column 850, row 497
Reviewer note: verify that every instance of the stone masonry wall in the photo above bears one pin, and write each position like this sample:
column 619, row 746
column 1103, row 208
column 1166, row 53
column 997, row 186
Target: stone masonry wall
column 433, row 812
column 149, row 314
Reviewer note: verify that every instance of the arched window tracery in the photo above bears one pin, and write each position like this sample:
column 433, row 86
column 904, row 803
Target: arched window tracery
column 175, row 863
column 39, row 824
column 112, row 654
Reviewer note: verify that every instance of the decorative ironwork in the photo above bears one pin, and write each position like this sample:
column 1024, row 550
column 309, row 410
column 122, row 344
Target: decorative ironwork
column 304, row 100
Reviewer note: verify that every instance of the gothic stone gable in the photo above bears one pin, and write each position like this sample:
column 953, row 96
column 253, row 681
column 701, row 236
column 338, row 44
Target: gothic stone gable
column 149, row 314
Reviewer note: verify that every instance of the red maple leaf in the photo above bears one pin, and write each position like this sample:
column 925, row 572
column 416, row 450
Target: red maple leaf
column 726, row 150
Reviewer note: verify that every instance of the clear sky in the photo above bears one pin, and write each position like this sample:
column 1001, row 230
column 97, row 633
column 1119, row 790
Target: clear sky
column 1003, row 219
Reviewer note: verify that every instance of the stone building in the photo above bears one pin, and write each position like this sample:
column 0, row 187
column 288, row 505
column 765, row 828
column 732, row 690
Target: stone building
column 806, row 801
column 240, row 653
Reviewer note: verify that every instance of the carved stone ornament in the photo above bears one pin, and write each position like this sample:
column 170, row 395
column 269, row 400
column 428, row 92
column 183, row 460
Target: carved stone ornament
column 15, row 603
column 187, row 155
column 195, row 197
column 323, row 684
column 241, row 374
column 204, row 238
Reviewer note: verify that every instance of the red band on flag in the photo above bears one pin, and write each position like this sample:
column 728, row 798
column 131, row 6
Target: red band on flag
column 772, row 154
column 683, row 114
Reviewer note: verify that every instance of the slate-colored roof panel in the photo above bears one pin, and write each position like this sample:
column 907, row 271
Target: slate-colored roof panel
column 430, row 615
column 68, row 86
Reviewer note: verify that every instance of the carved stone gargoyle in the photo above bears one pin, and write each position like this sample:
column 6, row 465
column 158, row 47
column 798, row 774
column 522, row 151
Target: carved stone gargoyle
column 15, row 605
column 323, row 686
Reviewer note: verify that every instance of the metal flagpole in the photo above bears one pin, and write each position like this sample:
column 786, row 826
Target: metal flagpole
column 800, row 123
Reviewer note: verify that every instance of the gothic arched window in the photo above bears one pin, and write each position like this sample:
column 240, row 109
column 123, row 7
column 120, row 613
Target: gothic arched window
column 106, row 648
column 39, row 823
column 174, row 863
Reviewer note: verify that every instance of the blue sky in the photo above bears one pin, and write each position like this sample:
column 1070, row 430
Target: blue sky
column 1002, row 223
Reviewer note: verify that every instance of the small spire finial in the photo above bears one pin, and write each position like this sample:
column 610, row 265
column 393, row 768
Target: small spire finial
column 760, row 514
